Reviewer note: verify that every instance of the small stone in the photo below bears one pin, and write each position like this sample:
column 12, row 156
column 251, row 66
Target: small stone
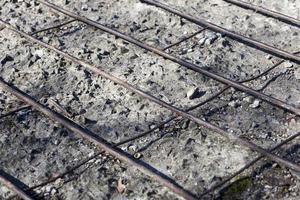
column 274, row 165
column 233, row 104
column 248, row 99
column 194, row 93
column 268, row 187
column 46, row 39
column 254, row 125
column 53, row 191
column 2, row 26
column 56, row 142
column 124, row 50
column 48, row 188
column 39, row 52
column 211, row 38
column 185, row 124
column 202, row 41
column 224, row 43
column 288, row 64
column 269, row 57
column 190, row 50
column 132, row 148
column 152, row 126
column 255, row 104
column 84, row 7
column 6, row 59
column 137, row 155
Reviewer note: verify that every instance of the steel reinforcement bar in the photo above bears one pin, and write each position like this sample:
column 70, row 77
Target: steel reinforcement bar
column 6, row 180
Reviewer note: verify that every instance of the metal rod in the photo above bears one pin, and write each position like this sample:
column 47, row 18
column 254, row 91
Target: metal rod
column 267, row 12
column 248, row 165
column 184, row 39
column 6, row 180
column 14, row 111
column 54, row 27
column 184, row 63
column 100, row 142
column 246, row 40
column 152, row 98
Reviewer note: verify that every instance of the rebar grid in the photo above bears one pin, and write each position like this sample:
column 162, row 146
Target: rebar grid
column 184, row 193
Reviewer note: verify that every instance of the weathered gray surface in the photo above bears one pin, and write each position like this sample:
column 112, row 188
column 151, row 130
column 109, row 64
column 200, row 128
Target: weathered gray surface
column 33, row 148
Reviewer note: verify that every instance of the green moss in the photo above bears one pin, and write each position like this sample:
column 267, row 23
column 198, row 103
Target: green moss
column 234, row 190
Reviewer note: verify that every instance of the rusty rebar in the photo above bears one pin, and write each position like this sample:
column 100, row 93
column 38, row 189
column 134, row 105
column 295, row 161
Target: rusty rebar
column 14, row 111
column 184, row 39
column 54, row 27
column 267, row 12
column 246, row 40
column 153, row 99
column 179, row 61
column 6, row 179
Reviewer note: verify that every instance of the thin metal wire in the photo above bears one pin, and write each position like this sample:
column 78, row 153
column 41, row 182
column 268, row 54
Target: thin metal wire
column 54, row 27
column 14, row 111
column 98, row 71
column 270, row 13
column 179, row 61
column 184, row 39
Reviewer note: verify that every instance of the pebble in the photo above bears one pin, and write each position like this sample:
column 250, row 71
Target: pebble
column 6, row 59
column 233, row 104
column 46, row 39
column 269, row 57
column 224, row 43
column 288, row 64
column 194, row 92
column 2, row 27
column 132, row 148
column 248, row 99
column 255, row 104
column 211, row 38
column 39, row 52
column 48, row 188
column 53, row 191
column 137, row 155
column 185, row 124
column 84, row 7
column 202, row 41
